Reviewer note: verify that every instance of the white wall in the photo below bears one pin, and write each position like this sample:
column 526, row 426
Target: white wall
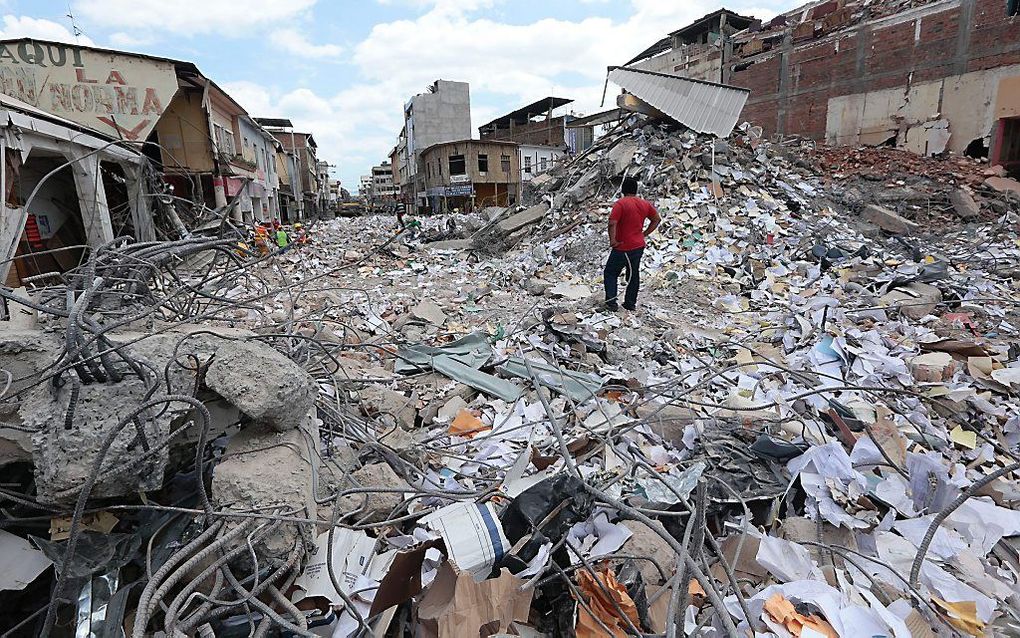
column 535, row 155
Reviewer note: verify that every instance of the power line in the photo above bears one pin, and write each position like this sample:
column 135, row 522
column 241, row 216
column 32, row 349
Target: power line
column 75, row 29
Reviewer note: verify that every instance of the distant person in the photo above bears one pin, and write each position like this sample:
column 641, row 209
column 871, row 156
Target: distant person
column 282, row 239
column 627, row 234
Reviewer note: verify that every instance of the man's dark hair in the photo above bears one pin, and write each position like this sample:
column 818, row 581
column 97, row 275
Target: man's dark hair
column 630, row 186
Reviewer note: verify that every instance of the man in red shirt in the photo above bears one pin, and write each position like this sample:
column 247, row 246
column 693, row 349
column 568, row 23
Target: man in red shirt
column 627, row 234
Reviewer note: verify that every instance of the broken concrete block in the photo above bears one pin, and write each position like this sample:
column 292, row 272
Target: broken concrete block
column 933, row 367
column 914, row 300
column 452, row 408
column 383, row 402
column 492, row 213
column 524, row 218
column 1003, row 184
column 371, row 507
column 15, row 447
column 264, row 384
column 888, row 221
column 428, row 310
column 25, row 354
column 621, row 155
column 452, row 244
column 964, row 204
column 537, row 286
column 459, row 392
column 668, row 421
column 63, row 457
column 647, row 543
column 262, row 470
column 569, row 291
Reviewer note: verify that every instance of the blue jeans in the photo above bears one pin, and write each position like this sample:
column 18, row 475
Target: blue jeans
column 618, row 262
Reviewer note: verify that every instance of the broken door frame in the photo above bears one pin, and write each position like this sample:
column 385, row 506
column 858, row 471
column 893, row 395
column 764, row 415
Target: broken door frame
column 999, row 143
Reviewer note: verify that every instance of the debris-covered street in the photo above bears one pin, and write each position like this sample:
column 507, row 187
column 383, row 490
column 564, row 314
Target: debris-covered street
column 737, row 357
column 809, row 425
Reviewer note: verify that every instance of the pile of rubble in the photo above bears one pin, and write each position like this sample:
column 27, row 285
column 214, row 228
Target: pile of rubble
column 809, row 428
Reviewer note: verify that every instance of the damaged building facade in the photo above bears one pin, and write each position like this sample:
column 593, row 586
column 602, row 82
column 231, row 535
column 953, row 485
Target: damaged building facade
column 544, row 137
column 927, row 77
column 441, row 114
column 66, row 188
column 205, row 145
column 470, row 174
column 303, row 150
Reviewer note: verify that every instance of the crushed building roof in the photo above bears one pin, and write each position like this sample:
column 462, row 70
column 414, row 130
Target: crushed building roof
column 705, row 107
column 525, row 113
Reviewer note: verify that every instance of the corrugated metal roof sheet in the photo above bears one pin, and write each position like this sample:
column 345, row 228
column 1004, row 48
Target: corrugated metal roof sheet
column 704, row 107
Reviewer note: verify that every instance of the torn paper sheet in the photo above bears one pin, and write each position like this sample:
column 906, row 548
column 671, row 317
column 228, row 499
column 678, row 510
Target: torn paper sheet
column 352, row 556
column 20, row 563
column 473, row 535
column 604, row 597
column 786, row 560
column 455, row 605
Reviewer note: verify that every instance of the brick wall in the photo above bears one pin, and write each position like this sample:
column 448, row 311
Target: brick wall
column 791, row 86
column 541, row 133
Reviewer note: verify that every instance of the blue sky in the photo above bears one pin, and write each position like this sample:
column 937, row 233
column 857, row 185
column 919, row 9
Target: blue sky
column 344, row 68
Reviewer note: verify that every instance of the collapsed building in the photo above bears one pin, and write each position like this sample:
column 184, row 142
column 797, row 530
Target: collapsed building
column 204, row 144
column 924, row 76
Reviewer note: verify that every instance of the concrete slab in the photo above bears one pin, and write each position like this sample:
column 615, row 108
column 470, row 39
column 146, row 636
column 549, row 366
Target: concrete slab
column 451, row 244
column 262, row 470
column 524, row 218
column 264, row 384
column 888, row 221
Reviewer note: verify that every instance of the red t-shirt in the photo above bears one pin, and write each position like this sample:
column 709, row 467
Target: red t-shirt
column 630, row 214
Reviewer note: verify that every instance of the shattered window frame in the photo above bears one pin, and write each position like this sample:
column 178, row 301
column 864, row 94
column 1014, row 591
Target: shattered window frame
column 1012, row 8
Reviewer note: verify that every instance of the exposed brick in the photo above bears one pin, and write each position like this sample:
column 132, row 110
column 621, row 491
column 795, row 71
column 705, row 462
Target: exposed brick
column 829, row 67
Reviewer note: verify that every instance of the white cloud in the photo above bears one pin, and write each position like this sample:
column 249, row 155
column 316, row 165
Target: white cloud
column 189, row 17
column 253, row 97
column 127, row 40
column 27, row 27
column 294, row 42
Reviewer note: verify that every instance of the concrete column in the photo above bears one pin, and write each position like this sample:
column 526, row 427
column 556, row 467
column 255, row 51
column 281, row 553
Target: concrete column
column 141, row 211
column 12, row 225
column 95, row 212
column 964, row 30
column 219, row 191
column 12, row 221
column 246, row 207
column 784, row 83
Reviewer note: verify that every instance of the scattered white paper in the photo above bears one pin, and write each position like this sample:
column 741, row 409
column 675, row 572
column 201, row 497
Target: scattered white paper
column 352, row 556
column 611, row 536
column 473, row 536
column 20, row 563
column 787, row 561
